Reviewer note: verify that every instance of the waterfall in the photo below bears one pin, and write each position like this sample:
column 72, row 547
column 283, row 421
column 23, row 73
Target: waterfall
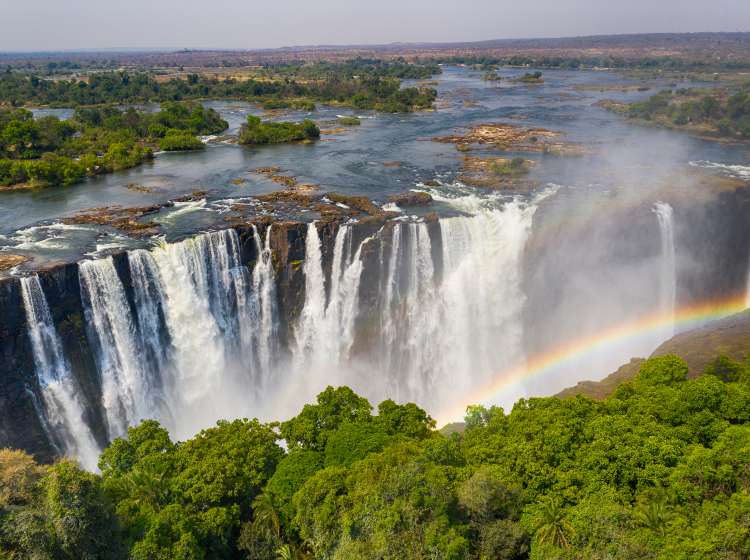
column 447, row 337
column 217, row 325
column 325, row 332
column 195, row 336
column 667, row 272
column 126, row 391
column 62, row 412
column 264, row 327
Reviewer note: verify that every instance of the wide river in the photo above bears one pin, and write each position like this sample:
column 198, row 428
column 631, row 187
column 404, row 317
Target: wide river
column 385, row 155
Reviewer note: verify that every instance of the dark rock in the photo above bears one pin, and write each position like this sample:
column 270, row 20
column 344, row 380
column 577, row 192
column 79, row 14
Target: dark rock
column 411, row 198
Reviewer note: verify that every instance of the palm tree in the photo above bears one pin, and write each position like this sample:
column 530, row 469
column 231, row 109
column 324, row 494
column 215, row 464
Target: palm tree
column 653, row 515
column 552, row 528
column 266, row 517
column 285, row 552
column 145, row 488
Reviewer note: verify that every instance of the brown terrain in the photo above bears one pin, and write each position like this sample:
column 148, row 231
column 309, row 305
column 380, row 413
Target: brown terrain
column 705, row 48
column 728, row 337
column 507, row 137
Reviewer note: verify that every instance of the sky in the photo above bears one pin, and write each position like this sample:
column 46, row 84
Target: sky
column 34, row 25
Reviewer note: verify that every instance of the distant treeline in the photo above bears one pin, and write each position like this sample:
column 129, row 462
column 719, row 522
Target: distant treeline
column 658, row 470
column 361, row 83
column 575, row 62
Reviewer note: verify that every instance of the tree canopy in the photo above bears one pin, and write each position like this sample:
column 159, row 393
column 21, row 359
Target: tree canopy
column 656, row 470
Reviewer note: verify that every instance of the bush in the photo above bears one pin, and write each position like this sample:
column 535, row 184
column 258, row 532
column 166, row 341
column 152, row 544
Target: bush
column 180, row 141
column 349, row 121
column 259, row 132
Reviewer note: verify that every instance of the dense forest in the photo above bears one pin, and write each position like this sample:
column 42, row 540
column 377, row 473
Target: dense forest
column 362, row 84
column 50, row 151
column 717, row 111
column 657, row 470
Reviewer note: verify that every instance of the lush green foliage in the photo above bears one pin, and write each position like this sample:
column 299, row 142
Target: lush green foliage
column 727, row 115
column 659, row 470
column 259, row 132
column 361, row 83
column 49, row 151
column 349, row 121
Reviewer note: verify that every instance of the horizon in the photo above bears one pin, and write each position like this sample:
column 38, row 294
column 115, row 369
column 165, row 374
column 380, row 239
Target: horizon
column 35, row 26
column 374, row 45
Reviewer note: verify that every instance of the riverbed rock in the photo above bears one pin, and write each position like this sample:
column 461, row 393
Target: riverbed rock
column 411, row 198
column 8, row 260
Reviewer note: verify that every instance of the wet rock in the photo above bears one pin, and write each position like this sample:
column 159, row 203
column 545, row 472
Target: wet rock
column 411, row 198
column 513, row 137
column 123, row 219
column 8, row 261
column 360, row 203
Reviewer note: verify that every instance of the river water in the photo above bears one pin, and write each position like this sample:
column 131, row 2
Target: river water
column 353, row 162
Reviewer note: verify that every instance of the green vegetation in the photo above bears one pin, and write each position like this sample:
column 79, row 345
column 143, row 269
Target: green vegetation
column 509, row 168
column 571, row 62
column 349, row 121
column 531, row 78
column 49, row 151
column 175, row 141
column 260, row 132
column 299, row 104
column 658, row 470
column 364, row 84
column 716, row 112
column 359, row 67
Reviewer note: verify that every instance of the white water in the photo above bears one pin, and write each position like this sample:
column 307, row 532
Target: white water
column 739, row 171
column 202, row 340
column 445, row 337
column 667, row 272
column 325, row 332
column 63, row 412
column 125, row 385
column 263, row 331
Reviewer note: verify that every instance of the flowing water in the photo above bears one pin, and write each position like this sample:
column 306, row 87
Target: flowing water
column 62, row 411
column 186, row 331
column 667, row 272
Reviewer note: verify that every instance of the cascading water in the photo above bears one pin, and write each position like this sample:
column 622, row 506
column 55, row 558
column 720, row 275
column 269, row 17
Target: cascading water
column 219, row 321
column 62, row 412
column 447, row 336
column 261, row 324
column 196, row 335
column 126, row 389
column 667, row 274
column 325, row 332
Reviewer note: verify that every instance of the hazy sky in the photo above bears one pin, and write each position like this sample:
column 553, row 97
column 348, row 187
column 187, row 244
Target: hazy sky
column 77, row 24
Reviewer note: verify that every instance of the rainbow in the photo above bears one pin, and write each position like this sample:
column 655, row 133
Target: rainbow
column 537, row 366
